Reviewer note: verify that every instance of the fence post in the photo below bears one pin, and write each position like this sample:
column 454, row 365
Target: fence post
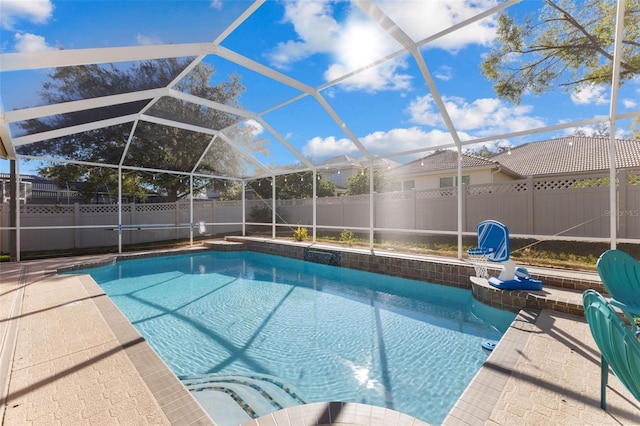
column 132, row 237
column 76, row 222
column 530, row 211
column 623, row 210
column 176, row 231
column 463, row 205
column 415, row 208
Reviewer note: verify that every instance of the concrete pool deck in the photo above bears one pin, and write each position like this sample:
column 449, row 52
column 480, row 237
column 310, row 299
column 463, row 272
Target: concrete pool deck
column 69, row 357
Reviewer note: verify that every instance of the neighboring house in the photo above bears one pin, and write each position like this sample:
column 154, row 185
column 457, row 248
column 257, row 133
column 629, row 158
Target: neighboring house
column 440, row 170
column 568, row 155
column 339, row 169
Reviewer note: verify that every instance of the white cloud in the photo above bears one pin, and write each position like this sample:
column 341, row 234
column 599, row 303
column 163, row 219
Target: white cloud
column 487, row 116
column 306, row 17
column 30, row 43
column 380, row 143
column 34, row 11
column 147, row 40
column 590, row 94
column 426, row 18
column 357, row 41
column 216, row 4
column 254, row 126
column 321, row 148
column 382, row 77
column 444, row 73
column 629, row 103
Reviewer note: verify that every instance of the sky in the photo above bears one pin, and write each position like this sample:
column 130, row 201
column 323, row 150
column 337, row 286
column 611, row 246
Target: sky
column 389, row 107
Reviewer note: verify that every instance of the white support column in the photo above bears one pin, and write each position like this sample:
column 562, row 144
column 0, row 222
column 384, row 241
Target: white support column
column 459, row 187
column 244, row 207
column 615, row 82
column 274, row 232
column 16, row 197
column 120, row 209
column 191, row 210
column 314, row 205
column 371, row 205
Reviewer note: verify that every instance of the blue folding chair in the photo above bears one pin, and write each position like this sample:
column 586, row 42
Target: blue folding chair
column 618, row 345
column 620, row 275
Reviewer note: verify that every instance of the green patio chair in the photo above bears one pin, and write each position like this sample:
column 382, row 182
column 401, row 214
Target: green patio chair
column 618, row 345
column 620, row 274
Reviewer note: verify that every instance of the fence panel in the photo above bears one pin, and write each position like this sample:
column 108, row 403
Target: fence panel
column 572, row 206
column 103, row 215
column 395, row 210
column 330, row 211
column 629, row 216
column 505, row 202
column 299, row 211
column 47, row 215
column 437, row 209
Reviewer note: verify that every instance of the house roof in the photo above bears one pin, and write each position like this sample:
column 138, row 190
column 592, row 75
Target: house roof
column 573, row 154
column 444, row 160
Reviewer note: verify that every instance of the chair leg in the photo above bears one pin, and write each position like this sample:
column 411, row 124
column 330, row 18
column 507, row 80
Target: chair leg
column 604, row 377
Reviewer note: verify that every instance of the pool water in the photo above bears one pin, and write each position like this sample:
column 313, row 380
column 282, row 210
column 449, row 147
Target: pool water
column 334, row 334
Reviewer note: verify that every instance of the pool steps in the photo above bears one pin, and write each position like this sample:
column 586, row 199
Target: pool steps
column 252, row 396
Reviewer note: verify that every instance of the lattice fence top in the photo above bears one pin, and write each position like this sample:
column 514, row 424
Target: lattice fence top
column 161, row 207
column 633, row 177
column 436, row 193
column 355, row 199
column 395, row 196
column 498, row 188
column 230, row 203
column 102, row 208
column 295, row 202
column 571, row 183
column 47, row 209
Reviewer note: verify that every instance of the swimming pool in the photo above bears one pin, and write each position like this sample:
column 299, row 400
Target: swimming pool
column 325, row 333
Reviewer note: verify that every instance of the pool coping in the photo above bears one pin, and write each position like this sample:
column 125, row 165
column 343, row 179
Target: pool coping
column 174, row 399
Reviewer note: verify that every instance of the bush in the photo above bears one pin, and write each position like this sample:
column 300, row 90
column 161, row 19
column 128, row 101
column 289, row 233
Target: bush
column 347, row 236
column 300, row 234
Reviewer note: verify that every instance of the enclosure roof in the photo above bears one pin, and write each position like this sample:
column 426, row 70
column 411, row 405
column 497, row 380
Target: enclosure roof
column 383, row 81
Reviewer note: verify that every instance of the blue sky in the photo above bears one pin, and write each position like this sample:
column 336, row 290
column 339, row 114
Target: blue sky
column 389, row 107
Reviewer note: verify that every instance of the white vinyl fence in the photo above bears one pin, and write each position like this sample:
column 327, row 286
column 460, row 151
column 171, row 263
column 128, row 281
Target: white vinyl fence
column 570, row 206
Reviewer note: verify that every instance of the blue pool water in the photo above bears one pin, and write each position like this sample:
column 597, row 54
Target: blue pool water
column 335, row 334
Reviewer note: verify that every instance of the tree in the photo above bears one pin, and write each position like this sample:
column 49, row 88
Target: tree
column 635, row 128
column 598, row 130
column 484, row 151
column 153, row 146
column 569, row 44
column 292, row 186
column 359, row 183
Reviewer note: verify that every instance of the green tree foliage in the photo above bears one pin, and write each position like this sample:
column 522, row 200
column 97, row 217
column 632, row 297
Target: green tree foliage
column 568, row 44
column 484, row 151
column 293, row 186
column 635, row 128
column 95, row 180
column 598, row 130
column 359, row 183
column 152, row 146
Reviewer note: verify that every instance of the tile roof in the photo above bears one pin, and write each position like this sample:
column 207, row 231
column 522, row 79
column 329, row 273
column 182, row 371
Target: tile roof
column 572, row 154
column 446, row 159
